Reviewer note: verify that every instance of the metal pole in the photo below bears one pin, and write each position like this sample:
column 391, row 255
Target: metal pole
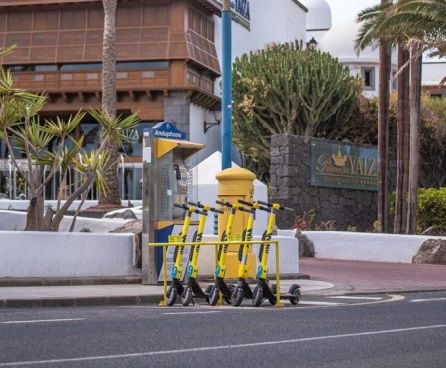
column 123, row 178
column 226, row 133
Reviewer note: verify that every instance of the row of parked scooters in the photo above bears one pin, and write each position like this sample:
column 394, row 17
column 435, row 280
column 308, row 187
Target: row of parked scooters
column 230, row 293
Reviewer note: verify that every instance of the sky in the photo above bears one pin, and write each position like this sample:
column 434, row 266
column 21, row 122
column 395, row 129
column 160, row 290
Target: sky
column 348, row 9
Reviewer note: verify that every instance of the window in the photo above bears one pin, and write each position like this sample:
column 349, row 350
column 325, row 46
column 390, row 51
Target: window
column 368, row 78
column 142, row 64
column 80, row 67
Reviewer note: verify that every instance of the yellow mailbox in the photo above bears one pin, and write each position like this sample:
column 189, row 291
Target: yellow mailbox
column 235, row 184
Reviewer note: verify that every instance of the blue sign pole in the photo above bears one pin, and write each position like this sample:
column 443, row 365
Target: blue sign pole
column 226, row 133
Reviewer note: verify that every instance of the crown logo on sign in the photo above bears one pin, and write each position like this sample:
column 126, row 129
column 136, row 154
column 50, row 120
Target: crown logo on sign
column 339, row 159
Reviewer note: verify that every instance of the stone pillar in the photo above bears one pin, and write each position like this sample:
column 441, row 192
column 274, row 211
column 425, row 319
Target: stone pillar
column 177, row 110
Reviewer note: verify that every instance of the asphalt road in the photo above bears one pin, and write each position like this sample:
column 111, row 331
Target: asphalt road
column 364, row 331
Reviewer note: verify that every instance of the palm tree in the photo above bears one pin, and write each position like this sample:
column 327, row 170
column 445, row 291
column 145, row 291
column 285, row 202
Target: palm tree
column 385, row 67
column 111, row 199
column 417, row 25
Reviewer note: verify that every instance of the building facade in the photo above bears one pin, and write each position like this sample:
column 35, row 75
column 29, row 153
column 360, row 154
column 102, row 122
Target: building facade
column 168, row 64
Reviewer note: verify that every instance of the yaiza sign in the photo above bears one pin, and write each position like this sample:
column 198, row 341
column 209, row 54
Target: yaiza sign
column 340, row 165
column 241, row 11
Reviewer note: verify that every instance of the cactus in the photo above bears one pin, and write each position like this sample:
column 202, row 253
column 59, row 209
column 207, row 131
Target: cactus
column 285, row 90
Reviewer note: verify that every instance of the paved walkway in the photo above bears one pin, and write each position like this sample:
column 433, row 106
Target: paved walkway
column 361, row 276
column 84, row 295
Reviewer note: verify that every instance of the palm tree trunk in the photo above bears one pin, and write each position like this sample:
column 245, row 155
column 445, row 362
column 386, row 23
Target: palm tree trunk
column 385, row 61
column 402, row 142
column 414, row 154
column 112, row 198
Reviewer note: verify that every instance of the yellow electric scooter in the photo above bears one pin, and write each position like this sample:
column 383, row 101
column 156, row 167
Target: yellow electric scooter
column 242, row 288
column 263, row 290
column 176, row 288
column 220, row 285
column 193, row 287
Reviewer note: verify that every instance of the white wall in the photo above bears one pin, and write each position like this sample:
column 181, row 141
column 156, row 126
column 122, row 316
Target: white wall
column 39, row 254
column 16, row 221
column 278, row 21
column 211, row 138
column 22, row 205
column 433, row 72
column 366, row 246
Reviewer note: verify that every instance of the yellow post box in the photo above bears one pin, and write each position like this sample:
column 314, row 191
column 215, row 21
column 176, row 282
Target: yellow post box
column 235, row 184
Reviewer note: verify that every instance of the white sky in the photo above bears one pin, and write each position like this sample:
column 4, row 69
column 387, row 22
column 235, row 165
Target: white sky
column 348, row 9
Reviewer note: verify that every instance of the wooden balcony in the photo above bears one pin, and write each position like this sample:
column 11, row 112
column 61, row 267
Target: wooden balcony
column 90, row 81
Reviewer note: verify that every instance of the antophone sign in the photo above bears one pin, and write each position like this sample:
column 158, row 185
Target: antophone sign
column 241, row 11
column 166, row 130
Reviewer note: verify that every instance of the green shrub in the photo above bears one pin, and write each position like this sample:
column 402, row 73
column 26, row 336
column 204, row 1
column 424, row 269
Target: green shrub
column 431, row 210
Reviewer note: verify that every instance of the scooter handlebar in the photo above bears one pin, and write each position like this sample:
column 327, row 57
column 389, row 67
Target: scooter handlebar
column 230, row 205
column 272, row 204
column 241, row 201
column 224, row 203
column 184, row 206
column 212, row 209
column 198, row 204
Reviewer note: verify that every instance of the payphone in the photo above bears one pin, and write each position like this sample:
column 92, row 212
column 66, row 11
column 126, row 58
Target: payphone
column 167, row 179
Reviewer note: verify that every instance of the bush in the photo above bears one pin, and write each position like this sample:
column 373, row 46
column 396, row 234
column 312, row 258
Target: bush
column 431, row 209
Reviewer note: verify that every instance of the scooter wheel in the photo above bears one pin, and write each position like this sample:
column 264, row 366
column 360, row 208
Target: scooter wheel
column 257, row 296
column 237, row 296
column 186, row 297
column 272, row 299
column 213, row 296
column 227, row 298
column 171, row 296
column 295, row 296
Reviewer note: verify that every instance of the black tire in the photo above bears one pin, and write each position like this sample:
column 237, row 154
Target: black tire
column 186, row 297
column 214, row 295
column 257, row 296
column 293, row 288
column 295, row 297
column 237, row 296
column 227, row 298
column 171, row 296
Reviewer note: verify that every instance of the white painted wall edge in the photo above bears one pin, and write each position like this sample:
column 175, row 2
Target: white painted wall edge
column 366, row 246
column 16, row 221
column 22, row 205
column 41, row 254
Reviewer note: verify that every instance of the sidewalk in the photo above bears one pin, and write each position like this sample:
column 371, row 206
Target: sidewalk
column 124, row 294
column 369, row 277
column 327, row 277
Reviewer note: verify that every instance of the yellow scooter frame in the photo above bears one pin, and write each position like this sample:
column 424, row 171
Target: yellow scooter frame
column 242, row 288
column 262, row 290
column 193, row 287
column 177, row 270
column 220, row 285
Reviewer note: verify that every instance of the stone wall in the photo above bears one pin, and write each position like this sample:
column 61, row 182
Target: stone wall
column 290, row 185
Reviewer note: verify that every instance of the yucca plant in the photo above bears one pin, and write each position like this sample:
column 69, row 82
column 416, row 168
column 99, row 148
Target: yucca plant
column 50, row 149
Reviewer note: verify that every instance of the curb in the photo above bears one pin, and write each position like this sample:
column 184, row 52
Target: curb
column 68, row 281
column 82, row 302
column 388, row 291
